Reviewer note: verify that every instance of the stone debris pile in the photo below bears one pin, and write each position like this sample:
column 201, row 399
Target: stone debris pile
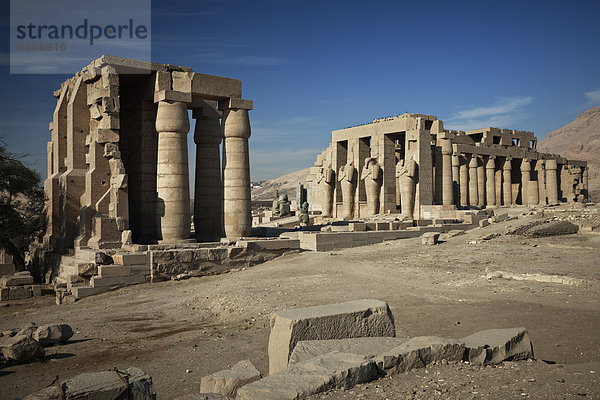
column 26, row 344
column 315, row 349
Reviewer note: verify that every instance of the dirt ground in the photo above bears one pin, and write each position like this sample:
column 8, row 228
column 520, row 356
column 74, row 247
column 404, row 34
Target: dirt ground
column 180, row 331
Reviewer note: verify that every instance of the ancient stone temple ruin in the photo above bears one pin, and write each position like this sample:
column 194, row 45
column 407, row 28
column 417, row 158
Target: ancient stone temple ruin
column 411, row 165
column 118, row 158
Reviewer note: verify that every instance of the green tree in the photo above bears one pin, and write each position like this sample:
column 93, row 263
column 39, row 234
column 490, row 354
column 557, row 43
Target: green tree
column 21, row 206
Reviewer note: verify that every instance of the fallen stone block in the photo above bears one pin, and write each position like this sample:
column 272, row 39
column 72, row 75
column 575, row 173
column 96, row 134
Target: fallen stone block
column 430, row 238
column 326, row 372
column 101, row 386
column 365, row 346
column 358, row 318
column 419, row 352
column 483, row 223
column 500, row 218
column 130, row 259
column 229, row 381
column 27, row 329
column 21, row 348
column 50, row 335
column 497, row 345
column 98, row 282
column 16, row 280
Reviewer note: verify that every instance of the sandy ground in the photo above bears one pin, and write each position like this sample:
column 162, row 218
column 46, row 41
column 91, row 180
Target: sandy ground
column 180, row 331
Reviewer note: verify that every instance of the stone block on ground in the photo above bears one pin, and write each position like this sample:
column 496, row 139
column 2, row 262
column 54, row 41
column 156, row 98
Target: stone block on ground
column 500, row 218
column 21, row 348
column 430, row 238
column 27, row 329
column 554, row 228
column 49, row 335
column 358, row 318
column 130, row 259
column 365, row 346
column 330, row 371
column 419, row 352
column 20, row 292
column 98, row 282
column 16, row 279
column 483, row 223
column 227, row 382
column 101, row 386
column 494, row 346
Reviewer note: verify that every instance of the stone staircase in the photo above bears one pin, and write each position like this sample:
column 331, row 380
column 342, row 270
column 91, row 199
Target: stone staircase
column 88, row 272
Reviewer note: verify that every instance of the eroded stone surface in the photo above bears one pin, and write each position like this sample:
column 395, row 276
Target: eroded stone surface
column 358, row 318
column 496, row 345
column 329, row 371
column 366, row 346
column 21, row 348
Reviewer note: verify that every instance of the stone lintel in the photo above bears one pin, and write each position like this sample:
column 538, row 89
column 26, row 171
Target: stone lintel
column 240, row 104
column 172, row 95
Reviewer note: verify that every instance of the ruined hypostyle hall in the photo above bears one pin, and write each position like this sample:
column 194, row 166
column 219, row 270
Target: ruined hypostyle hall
column 411, row 165
column 118, row 159
column 118, row 192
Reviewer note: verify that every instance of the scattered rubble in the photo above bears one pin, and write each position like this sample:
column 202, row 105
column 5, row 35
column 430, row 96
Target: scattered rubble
column 497, row 345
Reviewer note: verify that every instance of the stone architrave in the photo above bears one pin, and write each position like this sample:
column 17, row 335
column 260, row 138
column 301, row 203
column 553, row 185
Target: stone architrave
column 237, row 212
column 172, row 175
column 371, row 176
column 347, row 182
column 406, row 173
column 325, row 180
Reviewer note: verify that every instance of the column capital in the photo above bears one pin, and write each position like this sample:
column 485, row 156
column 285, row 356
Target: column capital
column 172, row 117
column 236, row 123
column 551, row 164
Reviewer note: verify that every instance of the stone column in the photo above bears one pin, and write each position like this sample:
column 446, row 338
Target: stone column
column 464, row 182
column 532, row 193
column 507, row 182
column 473, row 192
column 172, row 176
column 208, row 193
column 586, row 188
column 540, row 169
column 481, row 182
column 551, row 182
column 456, row 178
column 525, row 179
column 236, row 172
column 447, row 186
column 490, row 181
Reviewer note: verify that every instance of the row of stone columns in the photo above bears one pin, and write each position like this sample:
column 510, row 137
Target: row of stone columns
column 172, row 125
column 468, row 182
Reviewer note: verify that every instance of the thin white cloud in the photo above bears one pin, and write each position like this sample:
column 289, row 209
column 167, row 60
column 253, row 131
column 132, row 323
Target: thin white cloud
column 593, row 96
column 503, row 113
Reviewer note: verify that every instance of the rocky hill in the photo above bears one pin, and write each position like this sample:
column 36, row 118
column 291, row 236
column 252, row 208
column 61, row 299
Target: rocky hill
column 579, row 140
column 285, row 184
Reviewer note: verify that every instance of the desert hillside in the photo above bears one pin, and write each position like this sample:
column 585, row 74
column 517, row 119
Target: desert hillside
column 285, row 184
column 579, row 140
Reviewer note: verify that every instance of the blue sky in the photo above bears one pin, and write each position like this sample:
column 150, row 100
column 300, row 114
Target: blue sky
column 315, row 66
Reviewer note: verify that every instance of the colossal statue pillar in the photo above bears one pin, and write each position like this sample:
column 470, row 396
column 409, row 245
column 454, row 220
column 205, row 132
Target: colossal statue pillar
column 447, row 185
column 525, row 179
column 551, row 181
column 325, row 180
column 208, row 193
column 371, row 175
column 172, row 177
column 464, row 182
column 406, row 172
column 346, row 179
column 490, row 182
column 237, row 214
column 507, row 182
column 473, row 183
